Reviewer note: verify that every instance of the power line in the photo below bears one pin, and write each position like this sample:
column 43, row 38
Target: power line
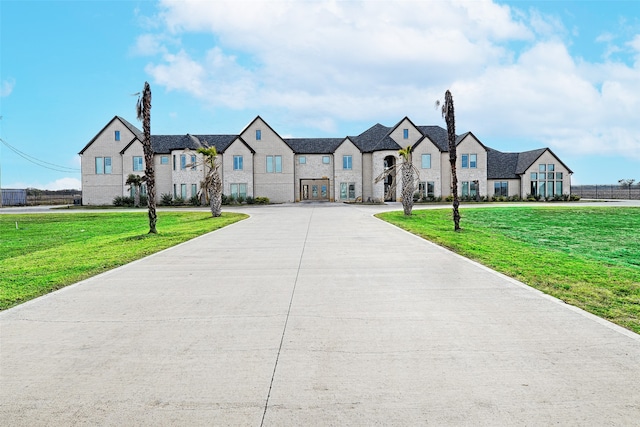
column 38, row 162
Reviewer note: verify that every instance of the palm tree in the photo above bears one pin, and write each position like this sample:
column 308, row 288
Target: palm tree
column 448, row 114
column 211, row 186
column 407, row 172
column 143, row 110
column 135, row 182
column 410, row 174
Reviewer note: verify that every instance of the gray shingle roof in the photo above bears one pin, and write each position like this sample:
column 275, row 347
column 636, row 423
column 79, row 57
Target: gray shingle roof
column 163, row 144
column 501, row 165
column 436, row 134
column 510, row 165
column 137, row 132
column 527, row 158
column 314, row 145
column 221, row 142
column 374, row 139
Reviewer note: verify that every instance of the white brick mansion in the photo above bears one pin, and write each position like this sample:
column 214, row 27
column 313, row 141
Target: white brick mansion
column 258, row 162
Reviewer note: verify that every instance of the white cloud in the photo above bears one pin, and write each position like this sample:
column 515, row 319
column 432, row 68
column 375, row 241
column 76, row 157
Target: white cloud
column 326, row 61
column 7, row 87
column 58, row 184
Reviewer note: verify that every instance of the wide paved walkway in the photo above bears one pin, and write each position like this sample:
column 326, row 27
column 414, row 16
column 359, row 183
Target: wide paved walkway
column 311, row 315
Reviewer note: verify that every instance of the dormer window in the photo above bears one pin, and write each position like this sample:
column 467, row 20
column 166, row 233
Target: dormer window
column 258, row 134
column 117, row 135
column 405, row 133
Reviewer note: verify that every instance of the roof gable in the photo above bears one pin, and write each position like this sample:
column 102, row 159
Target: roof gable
column 528, row 158
column 437, row 135
column 238, row 140
column 465, row 135
column 137, row 132
column 261, row 120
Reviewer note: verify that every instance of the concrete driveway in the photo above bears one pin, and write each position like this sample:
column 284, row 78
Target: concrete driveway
column 312, row 314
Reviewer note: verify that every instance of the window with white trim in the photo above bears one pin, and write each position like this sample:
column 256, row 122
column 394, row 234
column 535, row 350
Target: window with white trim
column 347, row 190
column 426, row 188
column 238, row 163
column 426, row 161
column 501, row 188
column 469, row 161
column 137, row 163
column 103, row 165
column 274, row 164
column 347, row 162
column 239, row 190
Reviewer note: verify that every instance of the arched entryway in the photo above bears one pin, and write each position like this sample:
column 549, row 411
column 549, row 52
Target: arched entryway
column 390, row 180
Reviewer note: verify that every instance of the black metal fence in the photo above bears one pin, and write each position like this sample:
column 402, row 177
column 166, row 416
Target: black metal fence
column 613, row 191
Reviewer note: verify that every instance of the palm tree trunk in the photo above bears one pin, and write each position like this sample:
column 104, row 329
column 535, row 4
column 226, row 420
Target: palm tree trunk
column 449, row 116
column 407, row 186
column 216, row 194
column 136, row 196
column 144, row 111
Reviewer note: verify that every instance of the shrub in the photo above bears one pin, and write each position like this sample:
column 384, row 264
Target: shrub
column 121, row 201
column 225, row 200
column 574, row 198
column 166, row 199
column 262, row 200
column 240, row 199
column 230, row 199
column 449, row 198
column 178, row 201
column 250, row 200
column 194, row 200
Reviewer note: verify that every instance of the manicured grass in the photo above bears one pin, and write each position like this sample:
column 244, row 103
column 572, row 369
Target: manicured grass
column 586, row 256
column 49, row 251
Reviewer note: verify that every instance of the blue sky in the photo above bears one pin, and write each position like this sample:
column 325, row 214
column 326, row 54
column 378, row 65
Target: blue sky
column 524, row 74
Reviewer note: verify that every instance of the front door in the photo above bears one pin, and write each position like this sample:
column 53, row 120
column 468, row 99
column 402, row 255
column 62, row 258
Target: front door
column 314, row 189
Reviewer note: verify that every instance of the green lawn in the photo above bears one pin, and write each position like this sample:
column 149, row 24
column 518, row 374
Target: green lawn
column 586, row 256
column 43, row 252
